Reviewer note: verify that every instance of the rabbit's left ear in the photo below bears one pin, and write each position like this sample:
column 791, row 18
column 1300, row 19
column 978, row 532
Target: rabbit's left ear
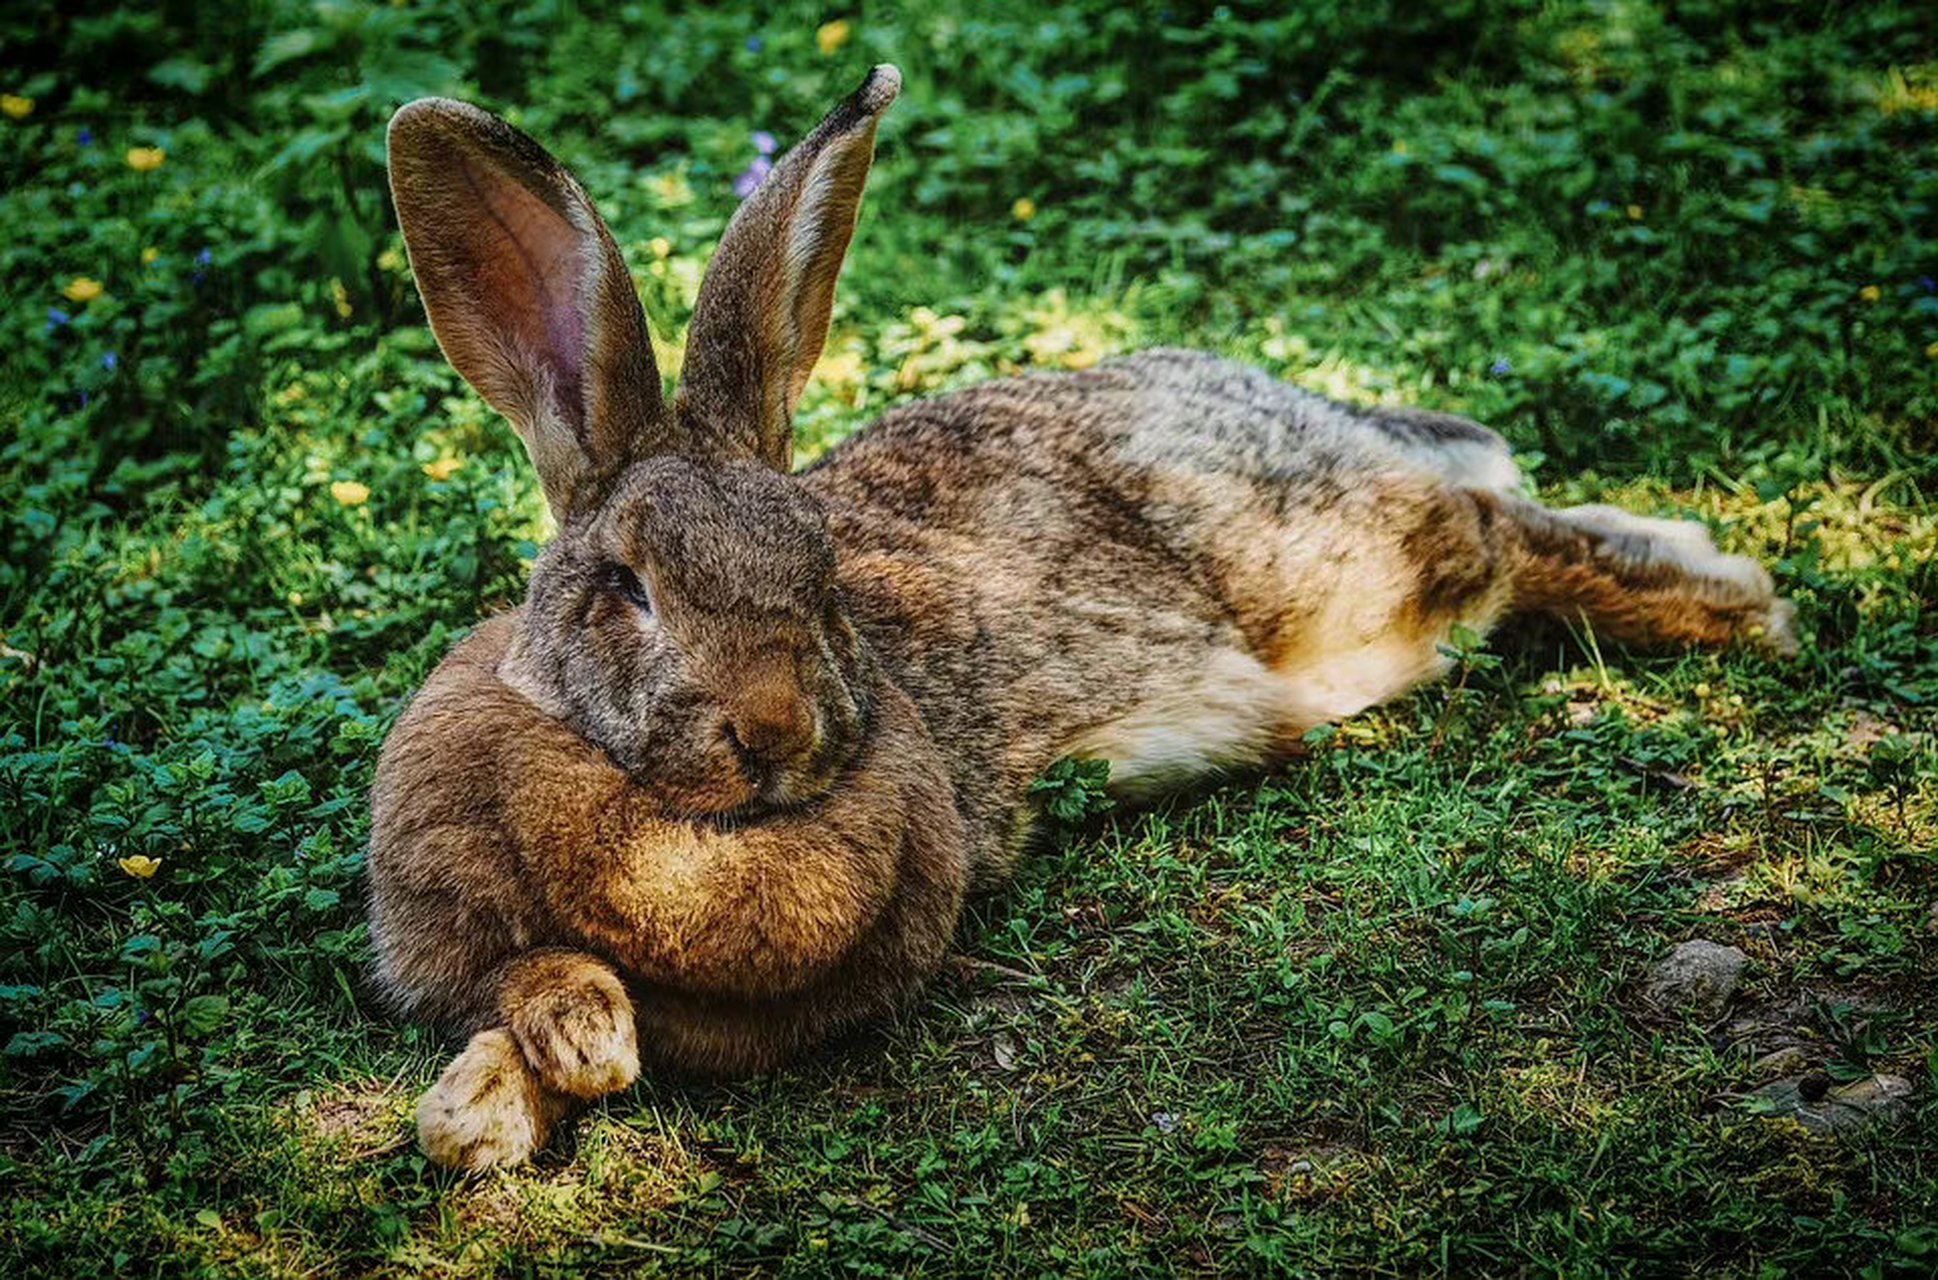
column 763, row 310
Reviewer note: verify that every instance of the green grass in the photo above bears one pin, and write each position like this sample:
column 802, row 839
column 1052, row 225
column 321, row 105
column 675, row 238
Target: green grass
column 1377, row 1012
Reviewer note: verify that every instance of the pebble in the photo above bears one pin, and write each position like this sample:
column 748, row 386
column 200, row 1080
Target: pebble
column 1838, row 1109
column 1698, row 978
column 1790, row 1060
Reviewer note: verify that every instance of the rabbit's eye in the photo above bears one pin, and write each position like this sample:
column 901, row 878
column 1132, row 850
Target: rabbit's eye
column 624, row 583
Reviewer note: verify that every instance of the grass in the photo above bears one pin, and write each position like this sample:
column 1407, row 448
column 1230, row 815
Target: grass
column 1376, row 1012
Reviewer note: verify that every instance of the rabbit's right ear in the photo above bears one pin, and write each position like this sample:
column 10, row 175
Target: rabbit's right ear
column 527, row 294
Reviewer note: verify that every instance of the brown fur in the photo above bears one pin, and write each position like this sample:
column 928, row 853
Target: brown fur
column 719, row 787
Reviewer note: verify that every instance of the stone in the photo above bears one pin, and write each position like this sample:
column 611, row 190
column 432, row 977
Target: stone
column 1789, row 1060
column 1838, row 1109
column 1697, row 978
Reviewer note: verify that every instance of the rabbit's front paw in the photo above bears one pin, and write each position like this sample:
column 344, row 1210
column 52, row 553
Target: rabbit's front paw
column 486, row 1109
column 580, row 1038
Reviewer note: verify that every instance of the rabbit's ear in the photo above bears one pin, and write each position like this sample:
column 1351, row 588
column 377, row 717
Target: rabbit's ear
column 527, row 294
column 762, row 315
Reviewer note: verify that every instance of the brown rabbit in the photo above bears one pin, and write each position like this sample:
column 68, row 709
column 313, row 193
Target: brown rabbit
column 719, row 786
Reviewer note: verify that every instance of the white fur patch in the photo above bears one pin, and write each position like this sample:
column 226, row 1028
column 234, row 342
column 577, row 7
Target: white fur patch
column 1469, row 464
column 1238, row 713
column 1353, row 652
column 1226, row 717
column 1344, row 683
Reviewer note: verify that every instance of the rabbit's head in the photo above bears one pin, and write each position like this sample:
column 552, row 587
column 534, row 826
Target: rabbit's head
column 686, row 619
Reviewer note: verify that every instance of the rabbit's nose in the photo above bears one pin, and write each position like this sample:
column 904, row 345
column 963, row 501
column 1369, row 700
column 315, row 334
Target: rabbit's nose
column 774, row 728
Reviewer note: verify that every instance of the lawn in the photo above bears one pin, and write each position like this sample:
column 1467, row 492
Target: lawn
column 1379, row 1012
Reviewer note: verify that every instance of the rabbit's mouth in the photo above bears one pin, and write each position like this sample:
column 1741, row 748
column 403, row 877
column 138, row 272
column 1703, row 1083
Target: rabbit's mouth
column 729, row 780
column 750, row 790
column 781, row 786
column 793, row 787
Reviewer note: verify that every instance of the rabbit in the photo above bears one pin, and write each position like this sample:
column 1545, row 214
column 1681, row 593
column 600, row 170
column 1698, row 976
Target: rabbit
column 719, row 787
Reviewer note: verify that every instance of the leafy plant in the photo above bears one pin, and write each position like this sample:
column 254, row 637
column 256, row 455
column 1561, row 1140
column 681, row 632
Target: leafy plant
column 1073, row 792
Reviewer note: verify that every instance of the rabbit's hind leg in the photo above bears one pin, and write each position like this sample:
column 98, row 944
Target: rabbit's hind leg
column 1645, row 582
column 568, row 1033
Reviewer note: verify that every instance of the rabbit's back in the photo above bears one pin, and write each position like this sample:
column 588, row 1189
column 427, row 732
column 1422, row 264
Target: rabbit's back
column 1171, row 561
column 1185, row 411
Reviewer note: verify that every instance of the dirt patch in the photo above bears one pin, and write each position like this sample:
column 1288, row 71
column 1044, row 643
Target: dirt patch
column 358, row 1120
column 1320, row 1171
column 572, row 1191
column 1718, row 856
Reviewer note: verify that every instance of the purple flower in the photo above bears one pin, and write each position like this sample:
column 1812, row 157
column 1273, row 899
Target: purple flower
column 110, row 362
column 756, row 173
column 764, row 142
column 755, row 44
column 1928, row 284
column 85, row 137
column 84, row 399
column 57, row 319
column 143, row 1017
column 1501, row 368
column 204, row 258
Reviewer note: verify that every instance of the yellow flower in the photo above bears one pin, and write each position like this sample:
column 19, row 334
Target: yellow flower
column 146, row 159
column 149, row 255
column 1635, row 213
column 670, row 189
column 1023, row 210
column 443, row 468
column 661, row 247
column 82, row 289
column 341, row 296
column 843, row 374
column 141, row 866
column 390, row 260
column 1932, row 351
column 17, row 108
column 832, row 35
column 1870, row 293
column 349, row 493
